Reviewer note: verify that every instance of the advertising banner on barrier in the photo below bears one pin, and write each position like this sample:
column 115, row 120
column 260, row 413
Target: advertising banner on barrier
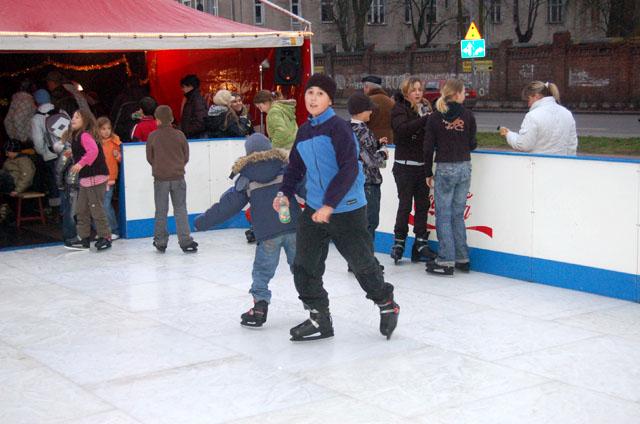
column 572, row 222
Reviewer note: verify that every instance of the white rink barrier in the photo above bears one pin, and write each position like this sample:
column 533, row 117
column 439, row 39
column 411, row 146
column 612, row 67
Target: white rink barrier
column 572, row 222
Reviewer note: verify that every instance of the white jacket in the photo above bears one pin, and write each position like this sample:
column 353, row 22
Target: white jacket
column 39, row 133
column 548, row 128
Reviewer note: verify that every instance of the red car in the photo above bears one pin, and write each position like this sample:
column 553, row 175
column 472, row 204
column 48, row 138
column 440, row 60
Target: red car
column 432, row 92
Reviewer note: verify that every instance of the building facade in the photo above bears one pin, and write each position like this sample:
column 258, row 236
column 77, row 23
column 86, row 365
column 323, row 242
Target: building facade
column 389, row 22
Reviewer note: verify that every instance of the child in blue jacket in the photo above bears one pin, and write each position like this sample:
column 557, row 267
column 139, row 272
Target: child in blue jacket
column 260, row 175
column 326, row 154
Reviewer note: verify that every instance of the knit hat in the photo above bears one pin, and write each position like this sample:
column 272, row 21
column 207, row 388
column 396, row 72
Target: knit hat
column 323, row 82
column 358, row 103
column 42, row 97
column 223, row 98
column 257, row 142
column 164, row 114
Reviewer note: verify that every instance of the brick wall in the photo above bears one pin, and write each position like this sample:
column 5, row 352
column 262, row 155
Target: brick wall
column 603, row 75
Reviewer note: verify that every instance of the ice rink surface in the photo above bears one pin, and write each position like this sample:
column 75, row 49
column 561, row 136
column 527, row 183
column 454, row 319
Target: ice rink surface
column 132, row 336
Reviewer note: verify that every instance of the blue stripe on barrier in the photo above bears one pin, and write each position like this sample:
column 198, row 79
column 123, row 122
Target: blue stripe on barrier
column 559, row 274
column 144, row 227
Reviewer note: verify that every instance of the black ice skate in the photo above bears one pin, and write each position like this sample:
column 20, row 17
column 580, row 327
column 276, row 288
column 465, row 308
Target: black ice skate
column 397, row 250
column 389, row 313
column 255, row 316
column 420, row 251
column 318, row 326
column 437, row 269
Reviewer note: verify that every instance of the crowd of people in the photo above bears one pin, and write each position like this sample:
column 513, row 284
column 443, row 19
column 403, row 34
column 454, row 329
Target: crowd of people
column 329, row 166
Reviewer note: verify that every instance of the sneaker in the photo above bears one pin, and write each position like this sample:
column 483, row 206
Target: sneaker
column 114, row 236
column 102, row 244
column 77, row 244
column 255, row 316
column 190, row 248
column 318, row 326
column 160, row 247
column 463, row 266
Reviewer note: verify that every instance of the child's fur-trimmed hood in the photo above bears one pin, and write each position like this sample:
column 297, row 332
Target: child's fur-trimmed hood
column 263, row 156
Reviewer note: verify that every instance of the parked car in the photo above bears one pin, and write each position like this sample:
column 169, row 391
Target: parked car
column 432, row 92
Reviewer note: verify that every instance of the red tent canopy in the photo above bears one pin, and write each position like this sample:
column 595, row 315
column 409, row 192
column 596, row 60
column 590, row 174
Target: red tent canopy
column 126, row 25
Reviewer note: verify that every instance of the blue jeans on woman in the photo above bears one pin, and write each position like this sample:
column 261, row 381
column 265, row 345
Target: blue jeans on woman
column 452, row 181
column 266, row 262
column 108, row 208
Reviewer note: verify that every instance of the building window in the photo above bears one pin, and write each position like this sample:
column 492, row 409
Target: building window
column 555, row 11
column 377, row 12
column 213, row 7
column 186, row 3
column 446, row 4
column 295, row 9
column 496, row 11
column 407, row 12
column 326, row 11
column 258, row 12
column 432, row 15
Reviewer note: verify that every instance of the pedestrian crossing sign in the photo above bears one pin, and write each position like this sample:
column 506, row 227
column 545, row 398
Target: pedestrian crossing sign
column 473, row 33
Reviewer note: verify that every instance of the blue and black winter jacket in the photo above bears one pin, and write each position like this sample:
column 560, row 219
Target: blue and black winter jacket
column 259, row 179
column 326, row 151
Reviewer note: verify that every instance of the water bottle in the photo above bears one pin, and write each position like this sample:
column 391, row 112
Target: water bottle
column 283, row 213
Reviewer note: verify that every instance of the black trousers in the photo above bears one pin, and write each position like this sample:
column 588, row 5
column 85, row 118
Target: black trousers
column 348, row 231
column 411, row 182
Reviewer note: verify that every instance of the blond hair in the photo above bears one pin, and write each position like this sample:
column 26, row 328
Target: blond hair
column 448, row 90
column 407, row 86
column 545, row 89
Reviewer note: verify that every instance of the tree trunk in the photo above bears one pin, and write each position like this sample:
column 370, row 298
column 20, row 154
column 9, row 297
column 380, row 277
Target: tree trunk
column 622, row 18
column 360, row 11
column 460, row 20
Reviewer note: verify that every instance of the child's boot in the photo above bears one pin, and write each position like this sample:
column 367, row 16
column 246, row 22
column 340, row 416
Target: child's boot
column 318, row 326
column 78, row 244
column 255, row 316
column 397, row 250
column 190, row 248
column 389, row 313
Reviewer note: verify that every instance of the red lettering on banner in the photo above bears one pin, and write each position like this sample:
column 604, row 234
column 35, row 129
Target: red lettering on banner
column 467, row 214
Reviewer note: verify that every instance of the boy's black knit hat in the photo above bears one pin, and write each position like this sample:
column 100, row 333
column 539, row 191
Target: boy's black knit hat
column 324, row 82
column 358, row 103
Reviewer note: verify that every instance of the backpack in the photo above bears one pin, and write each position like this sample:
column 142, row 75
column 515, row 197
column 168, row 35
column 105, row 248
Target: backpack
column 56, row 123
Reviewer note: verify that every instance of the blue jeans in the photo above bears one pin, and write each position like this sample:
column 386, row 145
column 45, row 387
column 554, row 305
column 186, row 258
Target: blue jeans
column 68, row 199
column 266, row 262
column 108, row 209
column 452, row 181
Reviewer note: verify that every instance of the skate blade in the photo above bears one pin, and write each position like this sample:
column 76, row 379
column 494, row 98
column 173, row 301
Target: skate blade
column 311, row 338
column 252, row 326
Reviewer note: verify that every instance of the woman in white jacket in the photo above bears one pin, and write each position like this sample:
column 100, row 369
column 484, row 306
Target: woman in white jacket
column 548, row 128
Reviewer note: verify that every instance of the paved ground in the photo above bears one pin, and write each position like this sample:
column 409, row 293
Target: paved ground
column 606, row 125
column 132, row 336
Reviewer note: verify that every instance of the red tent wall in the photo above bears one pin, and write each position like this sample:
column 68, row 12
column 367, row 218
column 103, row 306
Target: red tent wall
column 232, row 69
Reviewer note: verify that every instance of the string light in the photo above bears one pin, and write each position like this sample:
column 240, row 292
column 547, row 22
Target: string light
column 68, row 66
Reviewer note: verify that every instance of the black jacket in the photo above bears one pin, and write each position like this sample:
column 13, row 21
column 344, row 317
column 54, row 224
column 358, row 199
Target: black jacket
column 452, row 136
column 408, row 130
column 193, row 114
